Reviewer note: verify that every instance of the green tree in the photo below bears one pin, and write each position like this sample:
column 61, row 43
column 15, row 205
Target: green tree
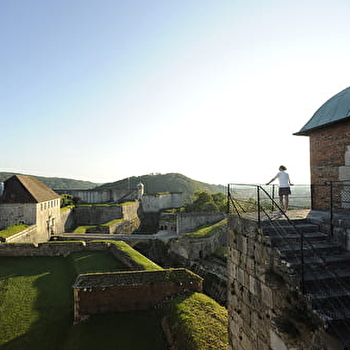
column 207, row 202
column 66, row 199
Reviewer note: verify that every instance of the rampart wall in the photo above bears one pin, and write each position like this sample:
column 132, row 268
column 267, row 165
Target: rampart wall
column 11, row 214
column 198, row 248
column 125, row 291
column 261, row 298
column 187, row 222
column 67, row 221
column 159, row 201
column 97, row 215
column 101, row 196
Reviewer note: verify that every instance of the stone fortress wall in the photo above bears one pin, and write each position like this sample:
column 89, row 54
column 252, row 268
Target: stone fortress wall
column 125, row 291
column 262, row 297
column 101, row 196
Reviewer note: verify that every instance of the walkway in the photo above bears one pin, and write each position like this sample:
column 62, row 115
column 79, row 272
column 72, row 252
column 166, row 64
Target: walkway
column 163, row 236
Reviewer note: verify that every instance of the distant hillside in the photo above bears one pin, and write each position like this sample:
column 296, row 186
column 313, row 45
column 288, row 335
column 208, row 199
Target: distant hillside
column 56, row 182
column 171, row 182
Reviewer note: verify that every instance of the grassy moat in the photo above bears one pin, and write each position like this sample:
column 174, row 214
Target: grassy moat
column 36, row 310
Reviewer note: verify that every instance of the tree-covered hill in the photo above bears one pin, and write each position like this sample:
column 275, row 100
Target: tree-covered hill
column 171, row 182
column 154, row 183
column 56, row 182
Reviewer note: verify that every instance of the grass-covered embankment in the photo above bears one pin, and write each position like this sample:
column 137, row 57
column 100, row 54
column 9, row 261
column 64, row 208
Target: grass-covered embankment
column 12, row 230
column 197, row 322
column 208, row 230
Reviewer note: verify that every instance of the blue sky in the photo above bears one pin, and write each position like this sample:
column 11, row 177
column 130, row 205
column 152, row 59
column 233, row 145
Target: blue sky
column 103, row 90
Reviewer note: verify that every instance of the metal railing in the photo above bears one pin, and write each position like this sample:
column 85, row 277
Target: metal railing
column 258, row 202
column 261, row 203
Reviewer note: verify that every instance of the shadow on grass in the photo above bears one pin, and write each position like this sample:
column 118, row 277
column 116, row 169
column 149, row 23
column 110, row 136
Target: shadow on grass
column 125, row 331
column 36, row 312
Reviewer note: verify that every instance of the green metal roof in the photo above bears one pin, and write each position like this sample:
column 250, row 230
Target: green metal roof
column 334, row 110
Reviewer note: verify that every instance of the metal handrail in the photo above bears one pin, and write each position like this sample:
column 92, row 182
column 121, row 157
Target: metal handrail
column 261, row 210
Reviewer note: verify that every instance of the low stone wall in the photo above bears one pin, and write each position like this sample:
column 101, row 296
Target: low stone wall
column 65, row 248
column 192, row 248
column 27, row 235
column 126, row 291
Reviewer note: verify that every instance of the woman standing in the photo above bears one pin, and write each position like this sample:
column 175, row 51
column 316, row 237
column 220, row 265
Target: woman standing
column 284, row 186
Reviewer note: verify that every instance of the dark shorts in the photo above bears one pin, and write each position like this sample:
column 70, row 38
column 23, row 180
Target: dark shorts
column 284, row 191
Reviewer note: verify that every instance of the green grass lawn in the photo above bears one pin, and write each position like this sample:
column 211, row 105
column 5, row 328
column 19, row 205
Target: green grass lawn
column 95, row 261
column 207, row 230
column 198, row 322
column 36, row 307
column 36, row 311
column 35, row 302
column 12, row 230
column 125, row 331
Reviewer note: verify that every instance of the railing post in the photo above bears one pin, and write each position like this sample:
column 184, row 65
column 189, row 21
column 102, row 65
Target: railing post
column 258, row 199
column 273, row 197
column 331, row 210
column 302, row 272
column 228, row 199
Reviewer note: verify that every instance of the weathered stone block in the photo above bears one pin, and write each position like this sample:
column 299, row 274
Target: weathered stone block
column 276, row 343
column 267, row 295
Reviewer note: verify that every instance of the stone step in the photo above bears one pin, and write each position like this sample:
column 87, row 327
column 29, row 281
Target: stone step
column 318, row 291
column 340, row 260
column 325, row 276
column 286, row 228
column 341, row 331
column 292, row 249
column 332, row 308
column 308, row 236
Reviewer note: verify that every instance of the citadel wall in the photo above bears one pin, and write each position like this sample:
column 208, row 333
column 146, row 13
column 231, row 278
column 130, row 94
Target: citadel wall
column 187, row 222
column 261, row 299
column 125, row 291
column 198, row 248
column 159, row 201
column 101, row 196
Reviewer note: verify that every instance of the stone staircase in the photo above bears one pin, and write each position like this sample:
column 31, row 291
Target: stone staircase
column 326, row 271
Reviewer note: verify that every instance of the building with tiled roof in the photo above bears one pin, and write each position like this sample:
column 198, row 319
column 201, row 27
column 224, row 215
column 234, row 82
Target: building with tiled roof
column 329, row 133
column 27, row 200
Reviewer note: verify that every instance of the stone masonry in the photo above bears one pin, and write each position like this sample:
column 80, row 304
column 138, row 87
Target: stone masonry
column 265, row 306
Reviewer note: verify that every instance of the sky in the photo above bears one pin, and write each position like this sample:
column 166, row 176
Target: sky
column 101, row 90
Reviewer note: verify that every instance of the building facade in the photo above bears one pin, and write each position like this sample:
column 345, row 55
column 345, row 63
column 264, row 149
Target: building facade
column 27, row 200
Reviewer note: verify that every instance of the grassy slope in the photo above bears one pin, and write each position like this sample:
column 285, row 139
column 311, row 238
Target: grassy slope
column 198, row 323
